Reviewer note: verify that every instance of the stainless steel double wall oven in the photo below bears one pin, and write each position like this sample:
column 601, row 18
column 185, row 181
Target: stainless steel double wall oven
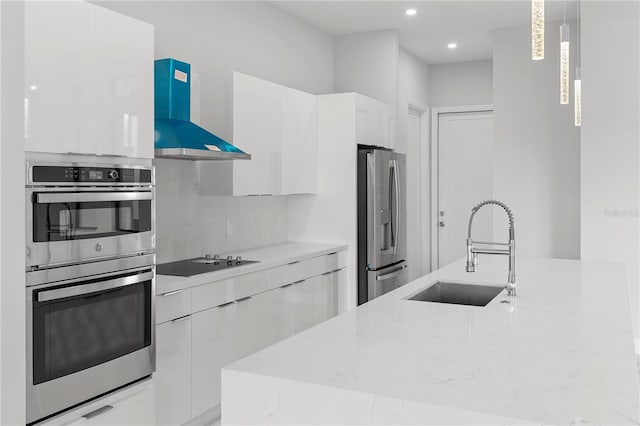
column 90, row 275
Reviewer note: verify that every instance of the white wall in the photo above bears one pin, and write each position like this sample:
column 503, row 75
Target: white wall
column 191, row 225
column 367, row 63
column 12, row 205
column 536, row 146
column 413, row 78
column 217, row 38
column 461, row 83
column 610, row 137
column 413, row 88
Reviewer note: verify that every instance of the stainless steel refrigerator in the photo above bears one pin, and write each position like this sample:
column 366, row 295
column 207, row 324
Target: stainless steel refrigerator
column 382, row 229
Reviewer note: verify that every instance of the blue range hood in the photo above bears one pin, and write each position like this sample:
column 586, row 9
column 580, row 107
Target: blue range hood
column 175, row 135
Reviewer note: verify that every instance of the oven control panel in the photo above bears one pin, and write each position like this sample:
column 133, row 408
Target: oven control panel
column 72, row 174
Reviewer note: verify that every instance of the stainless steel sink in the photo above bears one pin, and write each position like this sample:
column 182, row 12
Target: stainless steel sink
column 457, row 293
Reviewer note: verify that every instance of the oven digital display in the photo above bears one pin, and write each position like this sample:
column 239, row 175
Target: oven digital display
column 95, row 174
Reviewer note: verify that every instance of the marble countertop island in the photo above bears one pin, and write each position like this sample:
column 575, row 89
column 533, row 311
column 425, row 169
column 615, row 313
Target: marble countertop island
column 560, row 352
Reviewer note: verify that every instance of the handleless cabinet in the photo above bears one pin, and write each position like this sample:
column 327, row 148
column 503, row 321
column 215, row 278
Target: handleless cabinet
column 375, row 122
column 88, row 80
column 60, row 83
column 278, row 126
column 124, row 91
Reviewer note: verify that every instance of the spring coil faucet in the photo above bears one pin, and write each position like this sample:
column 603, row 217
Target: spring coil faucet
column 472, row 252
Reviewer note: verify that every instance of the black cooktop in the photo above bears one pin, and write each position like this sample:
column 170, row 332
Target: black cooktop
column 200, row 265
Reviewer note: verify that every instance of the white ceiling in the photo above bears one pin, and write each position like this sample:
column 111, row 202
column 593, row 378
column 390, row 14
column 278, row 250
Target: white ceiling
column 437, row 23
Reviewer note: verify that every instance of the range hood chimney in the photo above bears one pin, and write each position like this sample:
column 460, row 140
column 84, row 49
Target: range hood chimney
column 175, row 135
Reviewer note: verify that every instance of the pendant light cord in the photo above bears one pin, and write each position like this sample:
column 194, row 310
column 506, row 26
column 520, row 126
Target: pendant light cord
column 578, row 35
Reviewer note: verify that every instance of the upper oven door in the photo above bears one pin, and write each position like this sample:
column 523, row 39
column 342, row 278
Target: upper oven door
column 65, row 226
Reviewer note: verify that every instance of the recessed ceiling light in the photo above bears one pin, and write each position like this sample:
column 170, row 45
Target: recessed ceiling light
column 452, row 45
column 33, row 87
column 411, row 12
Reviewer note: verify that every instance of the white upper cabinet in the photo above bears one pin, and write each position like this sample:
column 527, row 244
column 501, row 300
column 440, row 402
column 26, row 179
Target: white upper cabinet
column 299, row 142
column 277, row 125
column 60, row 85
column 256, row 130
column 375, row 123
column 124, row 74
column 88, row 80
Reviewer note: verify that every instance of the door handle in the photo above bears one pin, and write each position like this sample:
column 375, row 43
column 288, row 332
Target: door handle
column 171, row 293
column 89, row 197
column 97, row 412
column 391, row 274
column 81, row 289
column 179, row 319
column 397, row 217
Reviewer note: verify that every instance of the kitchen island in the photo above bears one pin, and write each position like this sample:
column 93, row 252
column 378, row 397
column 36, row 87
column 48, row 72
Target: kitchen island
column 560, row 352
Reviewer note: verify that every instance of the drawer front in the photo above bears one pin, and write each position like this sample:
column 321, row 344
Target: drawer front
column 214, row 294
column 291, row 272
column 172, row 305
column 134, row 405
column 327, row 263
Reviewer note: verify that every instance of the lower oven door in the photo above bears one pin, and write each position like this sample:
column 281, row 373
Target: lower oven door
column 65, row 226
column 86, row 337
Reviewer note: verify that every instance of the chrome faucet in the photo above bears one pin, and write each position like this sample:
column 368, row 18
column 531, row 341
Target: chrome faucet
column 472, row 252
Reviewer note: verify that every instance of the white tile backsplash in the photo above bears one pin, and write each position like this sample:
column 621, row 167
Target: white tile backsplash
column 189, row 224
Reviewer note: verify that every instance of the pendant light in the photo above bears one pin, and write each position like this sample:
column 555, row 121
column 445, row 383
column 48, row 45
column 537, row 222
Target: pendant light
column 537, row 29
column 577, row 84
column 564, row 59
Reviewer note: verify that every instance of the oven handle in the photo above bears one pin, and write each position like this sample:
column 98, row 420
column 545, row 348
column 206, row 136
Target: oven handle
column 61, row 293
column 72, row 197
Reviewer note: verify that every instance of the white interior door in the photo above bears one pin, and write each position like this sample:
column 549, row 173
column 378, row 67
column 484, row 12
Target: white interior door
column 465, row 177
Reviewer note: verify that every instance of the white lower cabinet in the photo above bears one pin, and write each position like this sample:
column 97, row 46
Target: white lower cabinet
column 192, row 350
column 136, row 409
column 134, row 405
column 214, row 346
column 173, row 371
column 325, row 296
column 299, row 298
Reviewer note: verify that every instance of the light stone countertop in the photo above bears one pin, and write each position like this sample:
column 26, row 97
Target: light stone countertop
column 269, row 257
column 562, row 352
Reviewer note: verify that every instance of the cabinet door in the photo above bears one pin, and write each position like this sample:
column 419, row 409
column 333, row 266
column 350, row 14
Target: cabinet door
column 60, row 111
column 299, row 142
column 173, row 371
column 272, row 318
column 124, row 72
column 325, row 301
column 213, row 346
column 256, row 130
column 299, row 298
column 375, row 124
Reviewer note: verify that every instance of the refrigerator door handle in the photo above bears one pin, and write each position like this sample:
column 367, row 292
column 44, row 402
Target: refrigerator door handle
column 391, row 274
column 397, row 215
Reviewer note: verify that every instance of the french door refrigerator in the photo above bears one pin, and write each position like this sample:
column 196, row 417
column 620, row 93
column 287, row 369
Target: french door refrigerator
column 382, row 246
